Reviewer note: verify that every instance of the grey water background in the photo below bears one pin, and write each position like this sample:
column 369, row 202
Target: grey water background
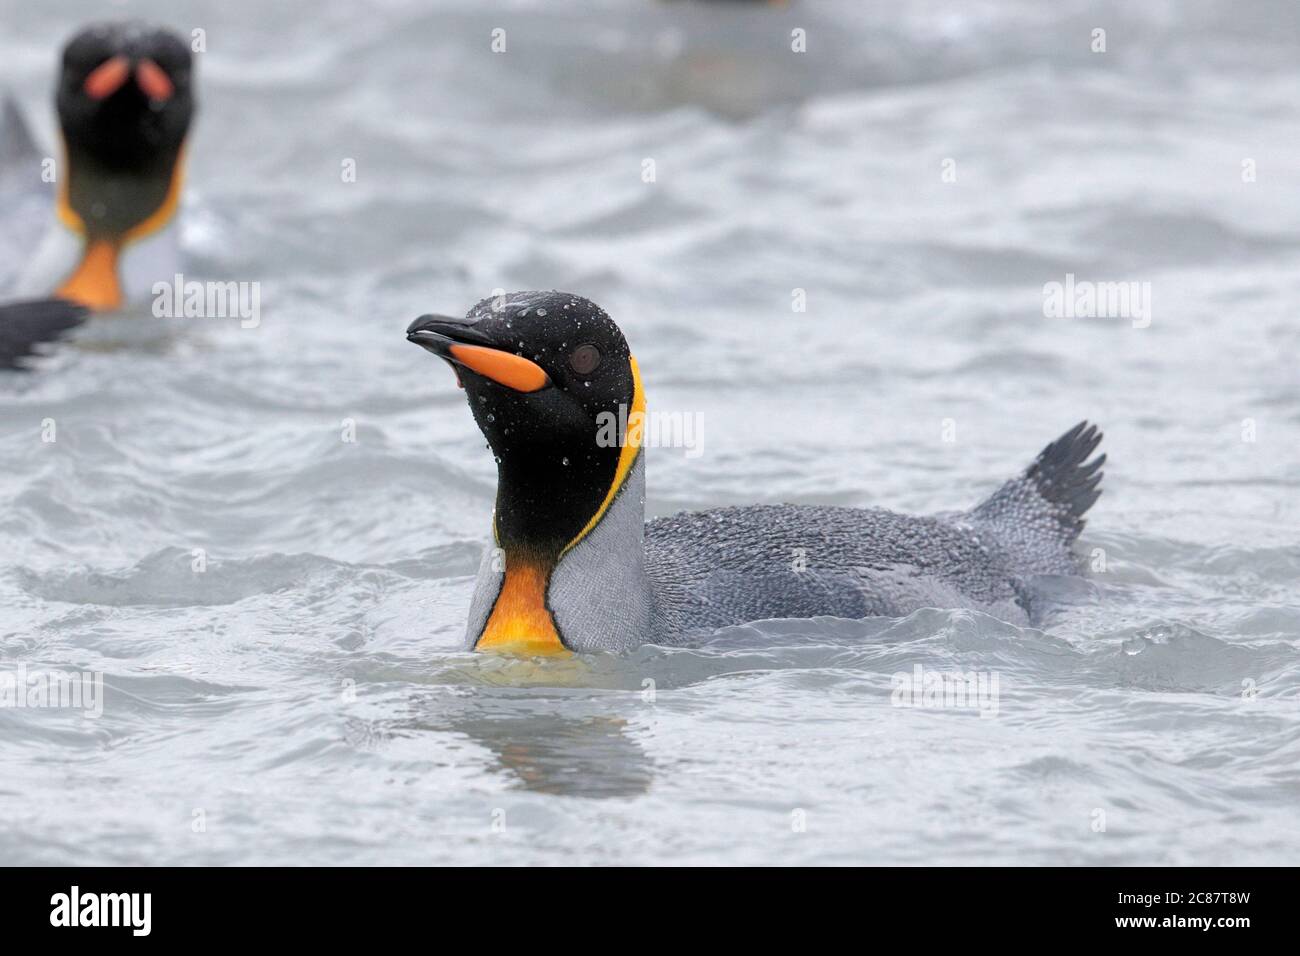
column 307, row 698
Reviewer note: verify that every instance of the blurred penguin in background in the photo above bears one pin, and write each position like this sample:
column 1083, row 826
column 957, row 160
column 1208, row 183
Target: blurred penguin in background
column 125, row 104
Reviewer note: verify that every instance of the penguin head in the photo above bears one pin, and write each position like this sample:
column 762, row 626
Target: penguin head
column 552, row 384
column 124, row 97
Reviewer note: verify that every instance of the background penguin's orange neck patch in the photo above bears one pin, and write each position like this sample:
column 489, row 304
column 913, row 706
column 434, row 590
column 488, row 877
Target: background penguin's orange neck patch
column 164, row 214
column 520, row 622
column 94, row 283
column 149, row 222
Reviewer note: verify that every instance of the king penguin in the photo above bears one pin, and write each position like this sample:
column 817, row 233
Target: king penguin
column 125, row 102
column 574, row 566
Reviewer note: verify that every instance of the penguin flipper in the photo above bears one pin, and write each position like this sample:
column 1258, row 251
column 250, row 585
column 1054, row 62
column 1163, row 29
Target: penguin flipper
column 17, row 144
column 1040, row 514
column 28, row 204
column 25, row 325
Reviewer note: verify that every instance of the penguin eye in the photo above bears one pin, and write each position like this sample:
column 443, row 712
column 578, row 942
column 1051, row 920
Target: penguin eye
column 584, row 359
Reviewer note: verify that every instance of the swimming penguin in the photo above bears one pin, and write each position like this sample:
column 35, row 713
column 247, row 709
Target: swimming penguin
column 577, row 568
column 125, row 104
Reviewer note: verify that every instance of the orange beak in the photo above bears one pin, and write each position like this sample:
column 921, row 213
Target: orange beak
column 505, row 368
column 107, row 78
column 153, row 82
column 447, row 338
column 111, row 75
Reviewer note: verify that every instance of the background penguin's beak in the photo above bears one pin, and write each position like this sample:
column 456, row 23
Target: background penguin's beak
column 111, row 75
column 107, row 78
column 153, row 81
column 461, row 343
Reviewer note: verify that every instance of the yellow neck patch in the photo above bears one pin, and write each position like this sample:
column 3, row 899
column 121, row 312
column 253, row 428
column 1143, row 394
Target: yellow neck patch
column 520, row 622
column 627, row 454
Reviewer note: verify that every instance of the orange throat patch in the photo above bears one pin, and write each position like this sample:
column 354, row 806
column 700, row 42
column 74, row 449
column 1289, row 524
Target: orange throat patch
column 520, row 622
column 94, row 283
